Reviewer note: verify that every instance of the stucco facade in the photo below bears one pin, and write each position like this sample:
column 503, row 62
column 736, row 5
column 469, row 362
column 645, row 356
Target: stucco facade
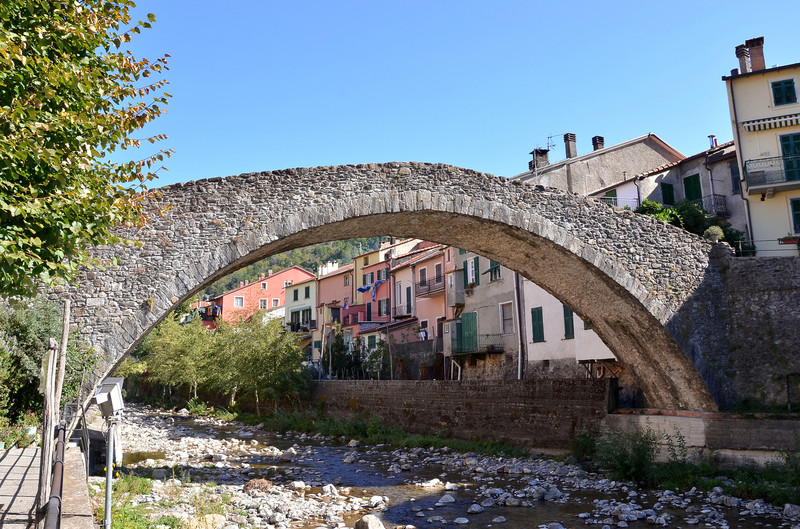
column 765, row 117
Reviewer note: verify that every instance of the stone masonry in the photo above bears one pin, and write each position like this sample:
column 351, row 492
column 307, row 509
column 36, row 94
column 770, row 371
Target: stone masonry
column 641, row 283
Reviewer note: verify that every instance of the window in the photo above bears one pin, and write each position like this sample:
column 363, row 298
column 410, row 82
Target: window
column 286, row 284
column 368, row 279
column 275, row 302
column 506, row 318
column 366, row 261
column 347, row 280
column 691, row 187
column 306, row 316
column 438, row 272
column 369, row 311
column 736, row 184
column 790, row 150
column 263, row 285
column 783, row 92
column 423, row 330
column 587, row 326
column 307, row 292
column 317, row 344
column 383, row 307
column 494, row 271
column 667, row 194
column 296, row 294
column 569, row 325
column 611, row 197
column 262, row 303
column 447, row 255
column 398, row 294
column 423, row 276
column 371, row 342
column 795, row 204
column 461, row 250
column 537, row 324
column 471, row 273
column 238, row 301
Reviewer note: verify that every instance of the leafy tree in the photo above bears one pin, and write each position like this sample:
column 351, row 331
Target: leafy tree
column 269, row 362
column 178, row 354
column 70, row 99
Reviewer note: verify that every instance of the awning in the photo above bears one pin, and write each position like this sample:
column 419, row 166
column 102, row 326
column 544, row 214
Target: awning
column 789, row 120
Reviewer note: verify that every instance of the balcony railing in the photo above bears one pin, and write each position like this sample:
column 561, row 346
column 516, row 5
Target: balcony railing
column 768, row 172
column 429, row 286
column 304, row 326
column 402, row 311
column 714, row 204
column 486, row 343
column 632, row 203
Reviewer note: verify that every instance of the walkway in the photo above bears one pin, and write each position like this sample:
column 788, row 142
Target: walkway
column 19, row 484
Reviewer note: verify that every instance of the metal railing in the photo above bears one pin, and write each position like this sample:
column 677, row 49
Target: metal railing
column 714, row 204
column 53, row 508
column 428, row 286
column 485, row 343
column 775, row 170
column 621, row 202
column 402, row 311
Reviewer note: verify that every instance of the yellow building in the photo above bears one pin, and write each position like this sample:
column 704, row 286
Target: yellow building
column 765, row 116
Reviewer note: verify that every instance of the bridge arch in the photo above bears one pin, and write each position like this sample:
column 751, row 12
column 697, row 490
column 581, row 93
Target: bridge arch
column 638, row 281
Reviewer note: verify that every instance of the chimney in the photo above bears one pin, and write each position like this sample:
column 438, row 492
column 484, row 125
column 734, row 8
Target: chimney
column 712, row 141
column 269, row 272
column 744, row 58
column 539, row 159
column 570, row 145
column 756, row 48
column 598, row 142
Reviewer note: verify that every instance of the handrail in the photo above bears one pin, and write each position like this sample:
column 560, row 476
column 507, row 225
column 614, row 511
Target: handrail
column 774, row 170
column 54, row 511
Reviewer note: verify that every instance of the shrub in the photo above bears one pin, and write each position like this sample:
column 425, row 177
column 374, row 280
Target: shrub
column 584, row 446
column 197, row 406
column 629, row 456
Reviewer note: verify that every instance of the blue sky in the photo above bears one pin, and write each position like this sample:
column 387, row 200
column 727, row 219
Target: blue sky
column 263, row 85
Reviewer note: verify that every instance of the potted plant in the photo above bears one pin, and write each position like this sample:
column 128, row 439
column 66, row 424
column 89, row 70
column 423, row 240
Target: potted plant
column 789, row 239
column 713, row 233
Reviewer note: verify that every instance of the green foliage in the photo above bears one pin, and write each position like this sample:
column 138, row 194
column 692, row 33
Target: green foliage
column 197, row 406
column 712, row 232
column 178, row 355
column 584, row 446
column 25, row 330
column 629, row 456
column 71, row 97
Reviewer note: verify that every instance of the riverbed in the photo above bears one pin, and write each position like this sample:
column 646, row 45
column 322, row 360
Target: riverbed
column 232, row 476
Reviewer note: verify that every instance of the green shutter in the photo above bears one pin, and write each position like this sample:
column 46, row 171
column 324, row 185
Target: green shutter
column 371, row 341
column 796, row 214
column 667, row 193
column 538, row 324
column 364, row 279
column 308, row 292
column 317, row 344
column 466, row 276
column 736, row 179
column 408, row 301
column 611, row 197
column 691, row 187
column 469, row 332
column 783, row 92
column 369, row 311
column 477, row 272
column 569, row 324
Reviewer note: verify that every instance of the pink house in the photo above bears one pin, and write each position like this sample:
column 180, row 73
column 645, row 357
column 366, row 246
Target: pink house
column 335, row 287
column 266, row 293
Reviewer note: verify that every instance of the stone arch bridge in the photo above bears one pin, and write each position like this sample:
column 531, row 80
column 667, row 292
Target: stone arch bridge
column 640, row 283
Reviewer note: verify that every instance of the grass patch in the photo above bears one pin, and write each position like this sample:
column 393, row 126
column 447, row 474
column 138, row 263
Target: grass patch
column 630, row 457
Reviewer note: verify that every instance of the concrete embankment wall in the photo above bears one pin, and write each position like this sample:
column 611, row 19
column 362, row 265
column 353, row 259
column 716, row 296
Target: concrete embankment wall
column 550, row 413
column 534, row 413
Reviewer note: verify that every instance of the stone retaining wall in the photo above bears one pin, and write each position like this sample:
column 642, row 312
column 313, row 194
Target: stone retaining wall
column 533, row 413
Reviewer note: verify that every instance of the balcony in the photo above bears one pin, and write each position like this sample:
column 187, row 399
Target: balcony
column 402, row 311
column 713, row 204
column 305, row 326
column 430, row 286
column 621, row 202
column 766, row 175
column 485, row 344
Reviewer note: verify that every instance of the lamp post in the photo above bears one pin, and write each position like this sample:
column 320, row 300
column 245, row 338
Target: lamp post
column 109, row 398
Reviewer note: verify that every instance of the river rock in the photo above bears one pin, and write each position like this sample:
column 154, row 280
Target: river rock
column 447, row 499
column 498, row 519
column 262, row 485
column 370, row 521
column 474, row 509
column 791, row 511
column 354, row 443
column 330, row 490
column 209, row 521
column 461, row 521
